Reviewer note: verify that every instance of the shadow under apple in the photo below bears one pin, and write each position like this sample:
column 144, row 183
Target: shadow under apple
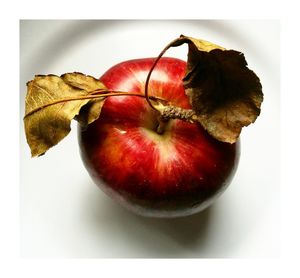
column 189, row 232
column 145, row 237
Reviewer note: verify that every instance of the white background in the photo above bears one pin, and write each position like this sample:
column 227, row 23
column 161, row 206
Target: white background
column 64, row 215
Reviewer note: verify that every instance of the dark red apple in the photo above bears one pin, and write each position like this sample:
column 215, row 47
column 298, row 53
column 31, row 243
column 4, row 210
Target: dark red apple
column 177, row 173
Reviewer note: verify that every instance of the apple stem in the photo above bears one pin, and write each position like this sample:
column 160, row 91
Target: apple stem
column 170, row 112
column 174, row 112
column 162, row 119
column 172, row 43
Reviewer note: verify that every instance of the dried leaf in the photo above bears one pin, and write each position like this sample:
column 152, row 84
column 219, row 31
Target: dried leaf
column 51, row 104
column 82, row 81
column 91, row 111
column 225, row 94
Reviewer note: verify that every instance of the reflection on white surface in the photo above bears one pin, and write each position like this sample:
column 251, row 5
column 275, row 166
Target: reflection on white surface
column 63, row 214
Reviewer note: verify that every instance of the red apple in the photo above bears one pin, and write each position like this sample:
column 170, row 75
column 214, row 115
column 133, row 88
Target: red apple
column 177, row 173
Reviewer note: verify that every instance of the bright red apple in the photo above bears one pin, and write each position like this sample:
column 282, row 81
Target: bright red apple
column 177, row 173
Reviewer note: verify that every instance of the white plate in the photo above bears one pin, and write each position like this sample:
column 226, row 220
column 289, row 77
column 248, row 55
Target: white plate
column 63, row 214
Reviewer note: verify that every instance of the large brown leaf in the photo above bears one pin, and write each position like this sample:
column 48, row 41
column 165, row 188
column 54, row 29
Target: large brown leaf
column 225, row 94
column 51, row 103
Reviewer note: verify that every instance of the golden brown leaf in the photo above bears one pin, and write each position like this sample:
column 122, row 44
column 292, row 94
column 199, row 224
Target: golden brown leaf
column 225, row 94
column 82, row 81
column 51, row 104
column 91, row 111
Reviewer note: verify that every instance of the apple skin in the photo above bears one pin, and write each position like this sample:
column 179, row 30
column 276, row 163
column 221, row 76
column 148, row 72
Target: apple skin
column 177, row 173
